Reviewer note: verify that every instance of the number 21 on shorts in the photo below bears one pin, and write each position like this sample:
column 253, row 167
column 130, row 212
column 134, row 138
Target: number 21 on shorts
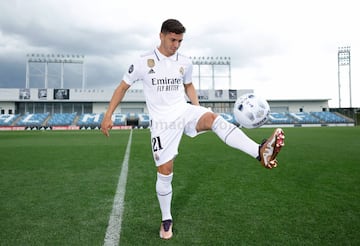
column 156, row 144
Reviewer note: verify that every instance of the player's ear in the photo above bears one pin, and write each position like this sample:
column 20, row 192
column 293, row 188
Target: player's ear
column 161, row 36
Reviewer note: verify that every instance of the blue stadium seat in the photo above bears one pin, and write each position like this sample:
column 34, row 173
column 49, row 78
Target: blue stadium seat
column 93, row 120
column 90, row 120
column 280, row 118
column 32, row 120
column 305, row 118
column 329, row 117
column 119, row 119
column 229, row 117
column 8, row 119
column 144, row 120
column 64, row 119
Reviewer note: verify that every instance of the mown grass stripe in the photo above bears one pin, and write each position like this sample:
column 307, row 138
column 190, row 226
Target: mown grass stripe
column 112, row 236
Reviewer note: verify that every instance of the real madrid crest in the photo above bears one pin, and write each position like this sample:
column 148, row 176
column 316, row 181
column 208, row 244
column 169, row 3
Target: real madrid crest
column 181, row 70
column 150, row 63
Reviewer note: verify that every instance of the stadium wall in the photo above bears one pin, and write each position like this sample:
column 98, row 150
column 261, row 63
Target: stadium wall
column 12, row 101
column 7, row 107
column 299, row 105
column 126, row 107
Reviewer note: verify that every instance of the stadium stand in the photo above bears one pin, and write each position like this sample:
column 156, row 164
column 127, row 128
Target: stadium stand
column 90, row 121
column 280, row 118
column 304, row 118
column 32, row 120
column 64, row 119
column 119, row 119
column 8, row 119
column 132, row 119
column 142, row 120
column 329, row 117
column 229, row 117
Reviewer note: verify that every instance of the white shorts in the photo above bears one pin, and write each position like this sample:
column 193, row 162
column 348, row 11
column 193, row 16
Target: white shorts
column 166, row 136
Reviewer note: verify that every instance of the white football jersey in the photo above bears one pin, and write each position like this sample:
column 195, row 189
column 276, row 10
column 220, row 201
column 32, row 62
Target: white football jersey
column 163, row 81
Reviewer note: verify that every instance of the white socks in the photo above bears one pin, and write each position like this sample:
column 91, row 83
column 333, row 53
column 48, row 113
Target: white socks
column 234, row 137
column 164, row 194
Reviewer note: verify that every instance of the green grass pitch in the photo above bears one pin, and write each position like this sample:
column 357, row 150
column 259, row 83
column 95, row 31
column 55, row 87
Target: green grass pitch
column 57, row 188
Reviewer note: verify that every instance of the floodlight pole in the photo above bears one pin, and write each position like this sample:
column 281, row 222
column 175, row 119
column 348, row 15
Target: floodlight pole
column 46, row 74
column 27, row 75
column 83, row 76
column 52, row 58
column 344, row 60
column 213, row 61
column 62, row 75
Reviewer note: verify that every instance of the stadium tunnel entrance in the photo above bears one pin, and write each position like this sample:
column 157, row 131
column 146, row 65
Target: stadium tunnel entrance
column 132, row 122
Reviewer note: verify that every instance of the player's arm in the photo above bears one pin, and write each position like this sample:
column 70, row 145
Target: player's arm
column 116, row 98
column 191, row 93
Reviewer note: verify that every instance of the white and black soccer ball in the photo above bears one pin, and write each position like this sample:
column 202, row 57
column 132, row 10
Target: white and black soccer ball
column 251, row 111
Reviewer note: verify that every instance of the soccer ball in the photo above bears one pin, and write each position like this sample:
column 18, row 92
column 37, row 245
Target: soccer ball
column 251, row 111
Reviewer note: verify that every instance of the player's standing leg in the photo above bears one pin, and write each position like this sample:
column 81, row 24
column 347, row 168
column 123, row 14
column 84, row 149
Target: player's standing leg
column 165, row 142
column 164, row 194
column 233, row 136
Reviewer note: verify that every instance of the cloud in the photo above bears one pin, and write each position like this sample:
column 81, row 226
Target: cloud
column 272, row 44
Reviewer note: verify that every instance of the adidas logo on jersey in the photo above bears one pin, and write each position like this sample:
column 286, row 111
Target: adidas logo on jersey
column 151, row 71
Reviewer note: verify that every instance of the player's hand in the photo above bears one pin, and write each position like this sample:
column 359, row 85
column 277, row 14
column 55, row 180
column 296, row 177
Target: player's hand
column 106, row 125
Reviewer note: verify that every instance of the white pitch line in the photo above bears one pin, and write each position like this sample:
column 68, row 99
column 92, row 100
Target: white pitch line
column 112, row 236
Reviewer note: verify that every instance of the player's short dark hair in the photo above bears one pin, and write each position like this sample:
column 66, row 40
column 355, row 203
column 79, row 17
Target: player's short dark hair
column 172, row 25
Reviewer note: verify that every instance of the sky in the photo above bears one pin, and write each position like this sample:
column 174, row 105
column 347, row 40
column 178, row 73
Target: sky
column 282, row 49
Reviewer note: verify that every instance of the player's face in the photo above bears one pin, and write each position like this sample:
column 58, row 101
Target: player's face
column 170, row 43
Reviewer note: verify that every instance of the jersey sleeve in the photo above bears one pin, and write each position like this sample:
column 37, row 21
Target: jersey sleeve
column 188, row 74
column 133, row 73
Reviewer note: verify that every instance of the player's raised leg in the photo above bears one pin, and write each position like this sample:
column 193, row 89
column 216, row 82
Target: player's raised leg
column 233, row 136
